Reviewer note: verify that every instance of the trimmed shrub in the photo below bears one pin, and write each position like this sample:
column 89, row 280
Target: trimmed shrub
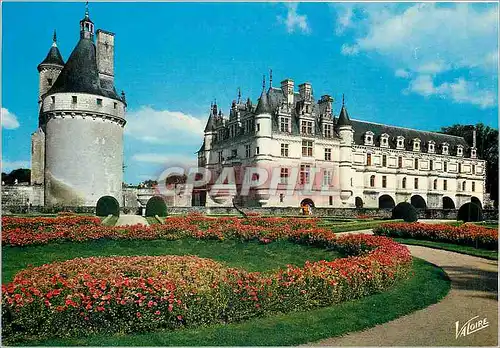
column 156, row 206
column 405, row 211
column 470, row 212
column 107, row 205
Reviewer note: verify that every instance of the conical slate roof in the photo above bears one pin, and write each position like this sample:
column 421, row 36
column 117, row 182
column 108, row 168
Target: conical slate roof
column 343, row 117
column 210, row 123
column 53, row 58
column 80, row 74
column 263, row 107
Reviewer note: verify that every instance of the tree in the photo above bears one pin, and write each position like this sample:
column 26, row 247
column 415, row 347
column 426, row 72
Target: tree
column 21, row 174
column 487, row 149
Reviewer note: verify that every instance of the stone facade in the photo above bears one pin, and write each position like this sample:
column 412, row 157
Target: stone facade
column 344, row 163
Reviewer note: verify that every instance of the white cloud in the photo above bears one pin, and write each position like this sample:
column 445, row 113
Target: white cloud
column 344, row 17
column 8, row 166
column 429, row 42
column 402, row 73
column 9, row 120
column 164, row 126
column 168, row 160
column 294, row 21
column 460, row 91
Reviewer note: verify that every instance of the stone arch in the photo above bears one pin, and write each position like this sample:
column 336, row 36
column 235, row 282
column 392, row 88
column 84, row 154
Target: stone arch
column 476, row 201
column 307, row 201
column 359, row 202
column 418, row 202
column 386, row 202
column 448, row 203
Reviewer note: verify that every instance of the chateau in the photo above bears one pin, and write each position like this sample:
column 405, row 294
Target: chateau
column 77, row 150
column 346, row 163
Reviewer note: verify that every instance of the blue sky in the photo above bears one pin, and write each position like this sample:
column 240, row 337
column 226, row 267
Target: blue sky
column 405, row 64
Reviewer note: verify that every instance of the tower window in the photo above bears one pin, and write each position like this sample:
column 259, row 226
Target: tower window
column 416, row 183
column 445, row 166
column 49, row 82
column 284, row 150
column 53, row 99
column 473, row 186
column 328, row 154
column 435, row 184
column 372, row 181
column 460, row 167
column 400, row 162
column 384, row 160
column 404, row 183
column 463, row 186
column 368, row 159
column 99, row 101
column 473, row 169
column 114, row 105
column 74, row 99
column 416, row 163
column 445, row 185
column 384, row 181
column 431, row 164
column 282, row 196
column 330, row 200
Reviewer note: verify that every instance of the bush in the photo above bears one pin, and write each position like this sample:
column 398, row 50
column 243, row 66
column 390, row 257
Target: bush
column 470, row 212
column 405, row 211
column 156, row 206
column 107, row 205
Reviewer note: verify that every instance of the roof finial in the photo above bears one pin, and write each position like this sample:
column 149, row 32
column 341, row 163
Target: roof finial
column 239, row 95
column 270, row 78
column 86, row 9
column 264, row 82
column 54, row 39
column 343, row 101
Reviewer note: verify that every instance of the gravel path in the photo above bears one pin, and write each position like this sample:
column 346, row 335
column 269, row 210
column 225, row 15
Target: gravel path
column 474, row 292
column 125, row 220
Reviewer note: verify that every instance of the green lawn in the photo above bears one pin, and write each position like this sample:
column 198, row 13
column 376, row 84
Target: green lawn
column 251, row 256
column 354, row 226
column 428, row 285
column 487, row 254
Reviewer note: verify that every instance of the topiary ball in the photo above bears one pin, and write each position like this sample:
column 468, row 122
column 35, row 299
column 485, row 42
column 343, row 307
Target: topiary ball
column 405, row 211
column 107, row 205
column 470, row 212
column 156, row 206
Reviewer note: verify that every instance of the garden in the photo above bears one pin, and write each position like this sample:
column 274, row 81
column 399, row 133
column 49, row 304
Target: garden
column 72, row 280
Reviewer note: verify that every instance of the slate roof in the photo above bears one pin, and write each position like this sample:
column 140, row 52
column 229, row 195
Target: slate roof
column 263, row 107
column 343, row 117
column 53, row 58
column 80, row 73
column 361, row 127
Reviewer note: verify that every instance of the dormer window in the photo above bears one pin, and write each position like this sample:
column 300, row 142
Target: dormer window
column 431, row 146
column 473, row 153
column 460, row 150
column 445, row 148
column 400, row 142
column 369, row 138
column 384, row 140
column 416, row 144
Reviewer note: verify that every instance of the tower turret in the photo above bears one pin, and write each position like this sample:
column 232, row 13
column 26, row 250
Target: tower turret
column 86, row 25
column 49, row 68
column 345, row 131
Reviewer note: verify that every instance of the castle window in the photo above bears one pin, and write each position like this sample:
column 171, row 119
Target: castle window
column 284, row 124
column 74, row 99
column 400, row 162
column 384, row 160
column 372, row 181
column 328, row 154
column 328, row 130
column 445, row 166
column 416, row 183
column 258, row 127
column 473, row 186
column 220, row 157
column 473, row 169
column 330, row 200
column 369, row 138
column 404, row 183
column 99, row 101
column 247, row 151
column 460, row 167
column 234, row 153
column 115, row 105
column 400, row 142
column 305, row 170
column 327, row 178
column 463, row 186
column 384, row 181
column 284, row 150
column 445, row 185
column 307, row 148
column 431, row 164
column 49, row 82
column 257, row 150
column 368, row 159
column 282, row 196
column 284, row 176
column 306, row 127
column 435, row 185
column 53, row 99
column 416, row 163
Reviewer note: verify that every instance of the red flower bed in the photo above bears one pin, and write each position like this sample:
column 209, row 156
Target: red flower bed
column 466, row 234
column 128, row 294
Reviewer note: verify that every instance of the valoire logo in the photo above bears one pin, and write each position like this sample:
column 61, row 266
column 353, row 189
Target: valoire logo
column 470, row 326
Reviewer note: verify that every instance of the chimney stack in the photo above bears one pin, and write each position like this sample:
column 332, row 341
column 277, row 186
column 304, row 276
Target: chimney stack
column 474, row 137
column 106, row 56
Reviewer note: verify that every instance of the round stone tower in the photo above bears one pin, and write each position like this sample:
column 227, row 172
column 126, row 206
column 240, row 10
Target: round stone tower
column 83, row 118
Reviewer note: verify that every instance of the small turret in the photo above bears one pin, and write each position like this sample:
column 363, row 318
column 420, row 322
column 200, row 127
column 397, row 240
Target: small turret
column 86, row 25
column 263, row 107
column 343, row 117
column 50, row 68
